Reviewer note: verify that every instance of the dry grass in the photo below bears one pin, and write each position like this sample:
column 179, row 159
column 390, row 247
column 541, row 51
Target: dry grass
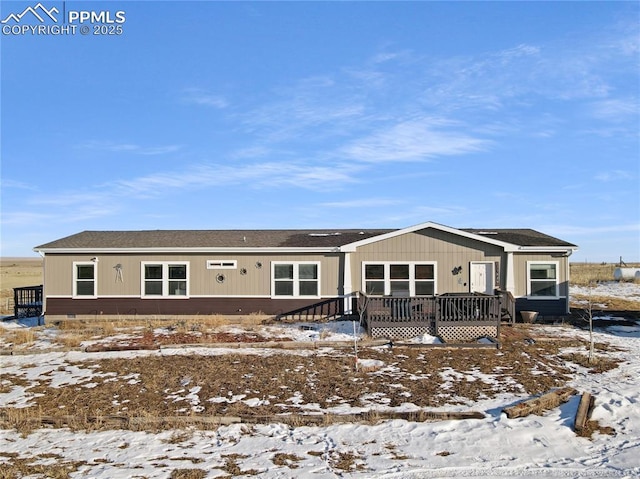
column 23, row 336
column 188, row 474
column 346, row 461
column 285, row 459
column 49, row 466
column 605, row 303
column 232, row 468
column 595, row 426
column 597, row 365
column 584, row 274
column 15, row 273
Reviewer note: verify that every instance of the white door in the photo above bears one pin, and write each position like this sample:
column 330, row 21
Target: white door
column 481, row 278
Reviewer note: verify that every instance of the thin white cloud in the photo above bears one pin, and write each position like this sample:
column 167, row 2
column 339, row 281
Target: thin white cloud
column 413, row 141
column 67, row 199
column 616, row 109
column 255, row 175
column 9, row 183
column 362, row 203
column 101, row 200
column 121, row 147
column 251, row 152
column 198, row 96
column 614, row 175
column 77, row 213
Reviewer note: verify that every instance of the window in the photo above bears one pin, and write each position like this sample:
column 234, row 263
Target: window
column 414, row 279
column 222, row 264
column 300, row 278
column 165, row 279
column 543, row 279
column 374, row 279
column 84, row 279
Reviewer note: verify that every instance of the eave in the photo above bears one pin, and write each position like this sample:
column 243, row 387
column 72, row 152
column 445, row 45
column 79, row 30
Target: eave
column 193, row 250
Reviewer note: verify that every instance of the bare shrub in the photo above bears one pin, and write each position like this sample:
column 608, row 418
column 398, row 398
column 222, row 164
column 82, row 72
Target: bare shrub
column 288, row 460
column 231, row 466
column 345, row 461
column 188, row 474
column 179, row 436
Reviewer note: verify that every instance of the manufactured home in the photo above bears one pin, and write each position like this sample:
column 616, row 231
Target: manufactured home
column 171, row 273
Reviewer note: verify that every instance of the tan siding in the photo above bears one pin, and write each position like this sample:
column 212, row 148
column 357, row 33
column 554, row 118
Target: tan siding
column 257, row 281
column 58, row 273
column 520, row 271
column 447, row 250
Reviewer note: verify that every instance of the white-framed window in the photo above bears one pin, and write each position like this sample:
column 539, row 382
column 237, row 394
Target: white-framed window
column 85, row 279
column 222, row 264
column 165, row 279
column 542, row 279
column 295, row 278
column 414, row 278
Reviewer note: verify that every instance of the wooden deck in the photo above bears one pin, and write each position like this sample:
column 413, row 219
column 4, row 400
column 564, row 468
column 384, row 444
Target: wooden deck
column 453, row 316
column 27, row 302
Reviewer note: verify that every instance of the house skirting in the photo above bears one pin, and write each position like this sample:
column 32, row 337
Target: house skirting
column 136, row 307
column 401, row 331
column 545, row 307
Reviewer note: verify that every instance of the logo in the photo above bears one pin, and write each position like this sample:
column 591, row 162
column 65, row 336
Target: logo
column 39, row 11
column 40, row 20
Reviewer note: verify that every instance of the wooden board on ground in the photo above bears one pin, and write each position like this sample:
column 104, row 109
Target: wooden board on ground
column 540, row 404
column 583, row 414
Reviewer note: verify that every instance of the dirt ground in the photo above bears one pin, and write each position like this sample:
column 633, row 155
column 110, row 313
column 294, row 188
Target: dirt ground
column 234, row 384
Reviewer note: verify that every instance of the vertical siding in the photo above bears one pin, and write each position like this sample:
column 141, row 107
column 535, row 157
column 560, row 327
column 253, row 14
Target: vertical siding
column 202, row 281
column 447, row 250
column 520, row 270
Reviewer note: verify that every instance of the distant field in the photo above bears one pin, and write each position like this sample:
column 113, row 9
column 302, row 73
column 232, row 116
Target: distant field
column 14, row 273
column 584, row 273
column 17, row 272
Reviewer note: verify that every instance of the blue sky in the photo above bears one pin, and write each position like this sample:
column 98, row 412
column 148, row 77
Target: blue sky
column 242, row 115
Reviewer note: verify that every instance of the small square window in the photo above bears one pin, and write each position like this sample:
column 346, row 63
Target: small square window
column 84, row 279
column 543, row 279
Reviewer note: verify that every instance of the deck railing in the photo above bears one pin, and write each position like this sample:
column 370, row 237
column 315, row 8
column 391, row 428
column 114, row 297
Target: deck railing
column 507, row 306
column 450, row 308
column 324, row 310
column 467, row 308
column 27, row 301
column 389, row 312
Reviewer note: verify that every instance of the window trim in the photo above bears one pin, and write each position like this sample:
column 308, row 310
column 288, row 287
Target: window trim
column 387, row 276
column 222, row 264
column 296, row 279
column 75, row 279
column 557, row 280
column 165, row 280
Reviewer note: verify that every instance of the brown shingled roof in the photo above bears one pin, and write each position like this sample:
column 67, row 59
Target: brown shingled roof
column 520, row 237
column 212, row 239
column 266, row 238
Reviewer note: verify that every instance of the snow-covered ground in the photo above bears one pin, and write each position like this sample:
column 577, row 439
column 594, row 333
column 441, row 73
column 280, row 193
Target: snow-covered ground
column 612, row 289
column 529, row 447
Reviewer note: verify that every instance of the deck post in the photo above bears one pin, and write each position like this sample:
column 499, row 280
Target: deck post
column 347, row 287
column 510, row 283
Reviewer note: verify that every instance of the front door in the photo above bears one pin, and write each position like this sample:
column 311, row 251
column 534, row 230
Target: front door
column 481, row 277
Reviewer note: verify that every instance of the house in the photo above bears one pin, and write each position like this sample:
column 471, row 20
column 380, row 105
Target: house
column 168, row 273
